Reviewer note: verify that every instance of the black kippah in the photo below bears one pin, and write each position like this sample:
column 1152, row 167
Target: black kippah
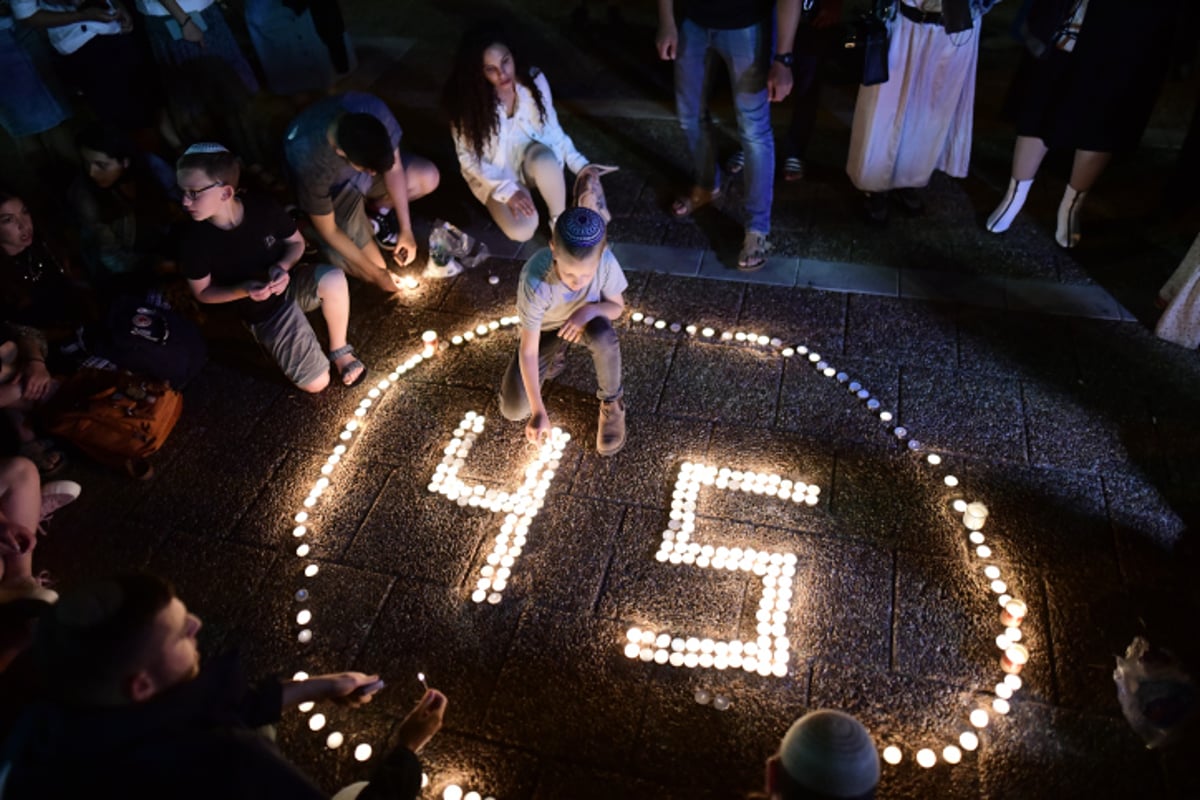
column 579, row 228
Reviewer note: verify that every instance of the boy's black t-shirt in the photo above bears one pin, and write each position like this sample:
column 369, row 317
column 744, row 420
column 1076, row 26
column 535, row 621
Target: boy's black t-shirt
column 244, row 253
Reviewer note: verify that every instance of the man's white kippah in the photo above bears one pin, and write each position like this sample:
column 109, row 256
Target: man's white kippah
column 205, row 147
column 830, row 752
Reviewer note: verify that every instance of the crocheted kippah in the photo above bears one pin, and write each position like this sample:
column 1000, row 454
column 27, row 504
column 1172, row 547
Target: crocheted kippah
column 579, row 228
column 205, row 147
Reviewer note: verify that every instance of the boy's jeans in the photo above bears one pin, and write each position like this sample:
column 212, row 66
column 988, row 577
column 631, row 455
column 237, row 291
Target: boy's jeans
column 746, row 53
column 598, row 337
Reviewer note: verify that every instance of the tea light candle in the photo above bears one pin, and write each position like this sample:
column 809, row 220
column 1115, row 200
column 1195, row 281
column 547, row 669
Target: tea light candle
column 334, row 740
column 979, row 718
column 1014, row 613
column 951, row 754
column 362, row 752
column 926, row 757
column 1014, row 659
column 968, row 740
column 892, row 754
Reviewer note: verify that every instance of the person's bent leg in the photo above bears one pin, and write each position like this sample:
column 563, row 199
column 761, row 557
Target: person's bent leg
column 601, row 340
column 421, row 175
column 519, row 229
column 21, row 505
column 1028, row 153
column 291, row 341
column 325, row 286
column 691, row 103
column 1088, row 166
column 543, row 171
column 746, row 53
column 514, row 403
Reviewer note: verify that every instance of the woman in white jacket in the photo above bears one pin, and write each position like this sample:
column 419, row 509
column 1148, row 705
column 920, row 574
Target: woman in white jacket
column 507, row 134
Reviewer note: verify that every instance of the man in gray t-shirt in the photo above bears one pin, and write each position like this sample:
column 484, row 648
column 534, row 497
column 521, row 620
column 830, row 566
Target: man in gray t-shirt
column 568, row 294
column 343, row 154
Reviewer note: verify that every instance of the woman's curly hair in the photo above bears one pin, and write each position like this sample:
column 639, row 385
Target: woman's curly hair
column 469, row 100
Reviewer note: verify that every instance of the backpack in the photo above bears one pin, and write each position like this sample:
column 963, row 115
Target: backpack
column 148, row 339
column 117, row 418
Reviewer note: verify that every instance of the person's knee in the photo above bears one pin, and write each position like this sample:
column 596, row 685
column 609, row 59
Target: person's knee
column 601, row 334
column 315, row 386
column 423, row 177
column 331, row 282
column 513, row 409
column 523, row 230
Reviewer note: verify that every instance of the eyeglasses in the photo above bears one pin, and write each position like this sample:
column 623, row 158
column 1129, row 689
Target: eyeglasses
column 192, row 194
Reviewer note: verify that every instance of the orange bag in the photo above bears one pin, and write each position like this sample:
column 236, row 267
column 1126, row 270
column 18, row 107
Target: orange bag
column 117, row 418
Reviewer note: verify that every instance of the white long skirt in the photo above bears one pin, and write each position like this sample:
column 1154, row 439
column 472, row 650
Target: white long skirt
column 921, row 119
column 1180, row 322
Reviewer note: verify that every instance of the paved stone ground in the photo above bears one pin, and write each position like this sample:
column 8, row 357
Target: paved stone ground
column 1016, row 362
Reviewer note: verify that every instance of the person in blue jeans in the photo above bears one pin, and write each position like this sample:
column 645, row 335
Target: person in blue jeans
column 740, row 34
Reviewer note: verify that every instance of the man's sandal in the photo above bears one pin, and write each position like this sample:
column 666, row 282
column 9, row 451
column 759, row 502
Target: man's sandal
column 348, row 350
column 754, row 252
column 689, row 204
column 793, row 169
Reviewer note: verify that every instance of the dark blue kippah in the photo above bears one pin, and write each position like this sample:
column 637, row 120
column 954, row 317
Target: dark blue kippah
column 579, row 227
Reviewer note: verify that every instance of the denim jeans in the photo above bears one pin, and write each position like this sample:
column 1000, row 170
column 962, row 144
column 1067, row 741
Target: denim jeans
column 598, row 337
column 746, row 53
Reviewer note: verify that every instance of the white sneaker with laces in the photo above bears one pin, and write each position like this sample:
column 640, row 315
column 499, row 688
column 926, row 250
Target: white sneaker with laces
column 57, row 494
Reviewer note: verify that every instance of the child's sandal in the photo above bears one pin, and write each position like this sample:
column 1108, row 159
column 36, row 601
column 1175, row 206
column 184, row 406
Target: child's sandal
column 343, row 371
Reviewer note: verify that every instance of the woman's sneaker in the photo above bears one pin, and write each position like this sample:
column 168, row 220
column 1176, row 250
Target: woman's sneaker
column 57, row 494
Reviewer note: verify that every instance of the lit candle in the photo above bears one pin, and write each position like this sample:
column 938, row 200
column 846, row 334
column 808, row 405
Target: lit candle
column 1014, row 613
column 362, row 752
column 334, row 740
column 429, row 341
column 1014, row 659
column 926, row 757
column 974, row 516
column 892, row 754
column 968, row 740
column 979, row 718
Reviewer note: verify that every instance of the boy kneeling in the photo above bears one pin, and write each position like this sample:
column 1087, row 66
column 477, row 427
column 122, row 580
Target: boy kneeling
column 570, row 293
column 243, row 251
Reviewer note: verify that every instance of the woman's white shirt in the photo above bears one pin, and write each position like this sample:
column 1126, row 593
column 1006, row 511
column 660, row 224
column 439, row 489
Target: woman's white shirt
column 65, row 38
column 498, row 173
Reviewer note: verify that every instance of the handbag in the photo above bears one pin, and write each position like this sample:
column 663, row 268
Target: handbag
column 868, row 42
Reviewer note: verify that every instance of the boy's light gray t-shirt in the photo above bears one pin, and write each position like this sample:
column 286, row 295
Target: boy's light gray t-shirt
column 545, row 304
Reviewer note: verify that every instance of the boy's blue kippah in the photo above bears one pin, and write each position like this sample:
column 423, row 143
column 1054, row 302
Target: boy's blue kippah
column 205, row 147
column 579, row 227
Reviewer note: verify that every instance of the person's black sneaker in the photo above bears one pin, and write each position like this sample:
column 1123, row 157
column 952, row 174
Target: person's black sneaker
column 909, row 200
column 386, row 227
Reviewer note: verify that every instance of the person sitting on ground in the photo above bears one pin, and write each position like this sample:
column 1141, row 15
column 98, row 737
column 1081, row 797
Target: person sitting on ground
column 344, row 157
column 130, row 712
column 24, row 503
column 245, row 251
column 569, row 294
column 825, row 755
column 125, row 207
column 507, row 135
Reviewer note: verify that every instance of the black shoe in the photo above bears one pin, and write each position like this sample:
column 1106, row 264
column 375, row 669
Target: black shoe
column 909, row 200
column 387, row 228
column 875, row 208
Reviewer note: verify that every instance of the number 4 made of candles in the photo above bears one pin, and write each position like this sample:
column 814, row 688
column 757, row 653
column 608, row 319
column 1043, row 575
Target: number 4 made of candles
column 768, row 653
column 519, row 507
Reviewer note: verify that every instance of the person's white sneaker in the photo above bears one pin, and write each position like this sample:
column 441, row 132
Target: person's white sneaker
column 57, row 494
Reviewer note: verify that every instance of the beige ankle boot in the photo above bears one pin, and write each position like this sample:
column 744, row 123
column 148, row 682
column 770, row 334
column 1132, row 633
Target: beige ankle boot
column 610, row 432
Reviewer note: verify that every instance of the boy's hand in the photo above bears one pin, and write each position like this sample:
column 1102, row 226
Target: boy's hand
column 521, row 204
column 278, row 280
column 258, row 290
column 572, row 329
column 538, row 427
column 405, row 251
column 347, row 688
column 15, row 539
column 423, row 721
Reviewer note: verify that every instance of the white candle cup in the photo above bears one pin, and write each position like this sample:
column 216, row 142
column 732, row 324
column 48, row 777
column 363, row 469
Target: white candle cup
column 429, row 341
column 1014, row 659
column 1014, row 613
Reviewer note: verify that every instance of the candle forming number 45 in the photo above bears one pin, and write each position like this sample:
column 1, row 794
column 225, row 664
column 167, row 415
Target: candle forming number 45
column 767, row 653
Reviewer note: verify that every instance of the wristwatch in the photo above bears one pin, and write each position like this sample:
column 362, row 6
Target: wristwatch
column 784, row 58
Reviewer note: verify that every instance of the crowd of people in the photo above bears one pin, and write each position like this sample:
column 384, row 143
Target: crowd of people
column 173, row 205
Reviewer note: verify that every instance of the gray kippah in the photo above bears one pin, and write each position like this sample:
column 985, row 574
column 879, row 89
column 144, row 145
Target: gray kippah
column 832, row 753
column 205, row 147
column 579, row 227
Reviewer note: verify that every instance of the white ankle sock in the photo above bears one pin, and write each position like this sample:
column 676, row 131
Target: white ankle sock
column 1067, row 234
column 1010, row 206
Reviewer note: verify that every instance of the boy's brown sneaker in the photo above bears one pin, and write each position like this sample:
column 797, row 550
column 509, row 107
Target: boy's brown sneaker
column 610, row 433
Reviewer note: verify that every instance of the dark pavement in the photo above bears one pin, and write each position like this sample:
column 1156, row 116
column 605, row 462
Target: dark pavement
column 1031, row 371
